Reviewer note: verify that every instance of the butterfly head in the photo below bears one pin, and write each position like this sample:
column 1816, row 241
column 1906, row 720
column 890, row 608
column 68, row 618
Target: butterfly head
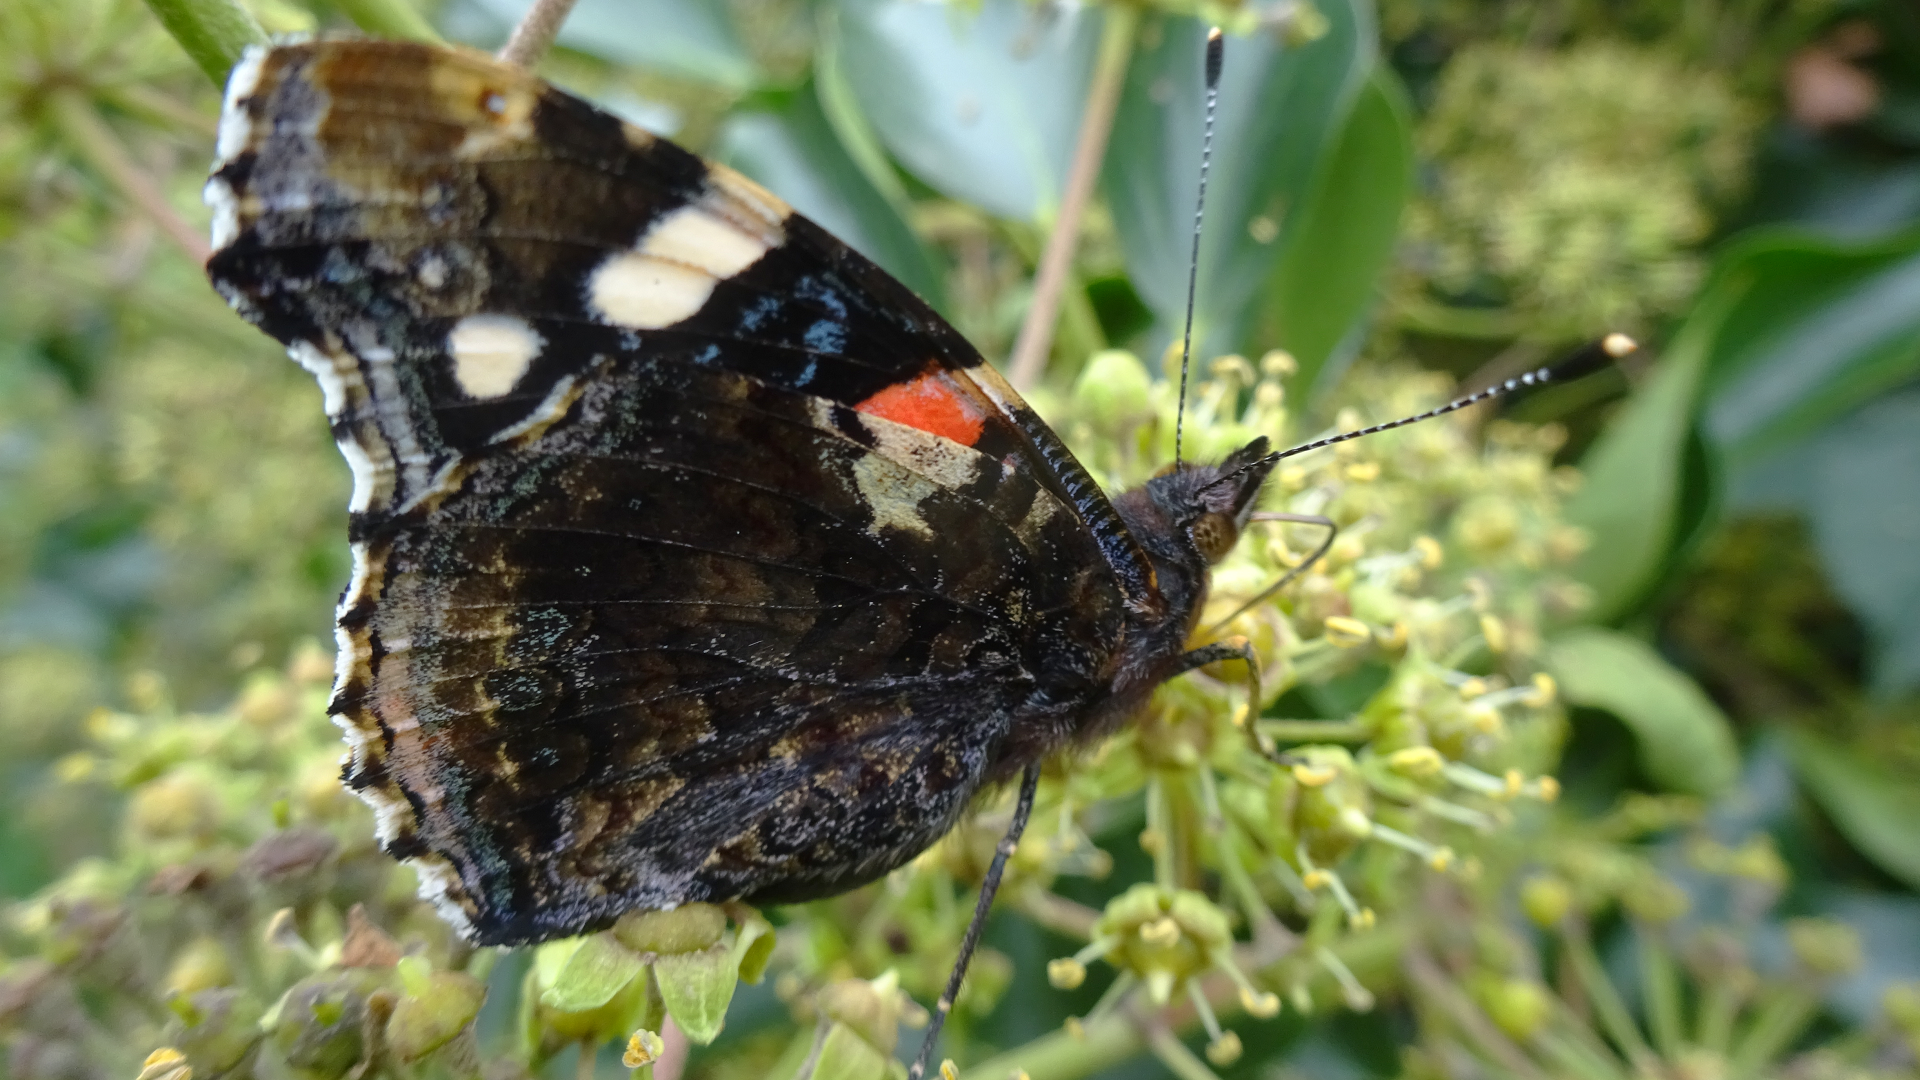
column 1208, row 505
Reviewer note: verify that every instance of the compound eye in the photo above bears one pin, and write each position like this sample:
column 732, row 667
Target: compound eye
column 1213, row 534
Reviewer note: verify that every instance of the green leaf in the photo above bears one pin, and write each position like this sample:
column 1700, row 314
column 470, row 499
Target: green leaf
column 1818, row 328
column 685, row 37
column 1686, row 743
column 1864, row 502
column 1877, row 809
column 983, row 106
column 389, row 18
column 792, row 149
column 213, row 32
column 1636, row 473
column 1280, row 110
column 1325, row 279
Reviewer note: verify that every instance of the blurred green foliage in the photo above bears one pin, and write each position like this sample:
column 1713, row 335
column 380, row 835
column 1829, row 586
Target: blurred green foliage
column 1600, row 772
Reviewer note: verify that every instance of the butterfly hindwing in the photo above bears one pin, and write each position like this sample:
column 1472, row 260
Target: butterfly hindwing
column 694, row 557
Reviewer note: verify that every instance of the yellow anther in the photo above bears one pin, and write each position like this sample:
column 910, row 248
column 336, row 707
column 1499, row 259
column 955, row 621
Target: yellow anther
column 1618, row 345
column 1516, row 783
column 1430, row 552
column 1074, row 1028
column 1362, row 919
column 1258, row 1003
column 1150, row 841
column 1473, row 688
column 1345, row 631
column 1314, row 775
column 1224, row 1050
column 1394, row 638
column 1278, row 363
column 1316, row 879
column 1416, row 761
column 1441, row 859
column 1495, row 632
column 1066, row 973
column 1363, row 472
column 1544, row 690
column 948, row 1070
column 643, row 1048
column 1161, row 931
column 1547, row 789
column 1485, row 719
column 166, row 1063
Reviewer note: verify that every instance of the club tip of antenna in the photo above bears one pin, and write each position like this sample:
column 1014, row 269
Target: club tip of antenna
column 1216, row 53
column 1619, row 345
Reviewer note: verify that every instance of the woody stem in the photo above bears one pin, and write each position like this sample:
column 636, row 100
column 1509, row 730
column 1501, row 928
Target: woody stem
column 1103, row 97
column 534, row 36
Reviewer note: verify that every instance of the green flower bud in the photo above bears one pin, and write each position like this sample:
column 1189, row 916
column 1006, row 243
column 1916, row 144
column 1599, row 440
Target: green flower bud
column 1546, row 899
column 322, row 1025
column 438, row 1006
column 1113, row 390
column 1164, row 937
column 687, row 928
column 216, row 1029
column 201, row 965
column 868, row 1011
column 1826, row 947
column 1518, row 1006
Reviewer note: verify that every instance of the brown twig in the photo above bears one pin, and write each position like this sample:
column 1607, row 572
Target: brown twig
column 534, row 36
column 102, row 150
column 1103, row 97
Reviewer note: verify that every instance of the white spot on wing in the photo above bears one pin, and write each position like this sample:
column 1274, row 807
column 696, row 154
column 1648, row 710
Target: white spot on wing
column 236, row 127
column 673, row 269
column 694, row 236
column 631, row 289
column 491, row 352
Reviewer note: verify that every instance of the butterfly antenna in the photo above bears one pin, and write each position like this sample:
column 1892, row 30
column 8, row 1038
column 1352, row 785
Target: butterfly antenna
column 1216, row 55
column 1585, row 362
column 1022, row 809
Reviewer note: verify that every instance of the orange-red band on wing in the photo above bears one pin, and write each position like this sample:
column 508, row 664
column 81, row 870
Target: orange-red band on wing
column 932, row 403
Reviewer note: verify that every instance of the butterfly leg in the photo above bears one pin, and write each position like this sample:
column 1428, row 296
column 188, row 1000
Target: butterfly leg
column 1236, row 648
column 1327, row 523
column 1021, row 809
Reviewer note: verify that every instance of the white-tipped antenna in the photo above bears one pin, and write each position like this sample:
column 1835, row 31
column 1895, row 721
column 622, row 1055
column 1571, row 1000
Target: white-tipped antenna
column 1216, row 55
column 1585, row 362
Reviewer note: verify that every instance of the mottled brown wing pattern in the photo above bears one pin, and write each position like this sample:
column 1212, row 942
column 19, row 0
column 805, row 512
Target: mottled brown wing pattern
column 693, row 558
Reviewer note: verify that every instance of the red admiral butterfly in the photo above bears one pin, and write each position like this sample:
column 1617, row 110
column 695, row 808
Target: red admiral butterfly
column 695, row 558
